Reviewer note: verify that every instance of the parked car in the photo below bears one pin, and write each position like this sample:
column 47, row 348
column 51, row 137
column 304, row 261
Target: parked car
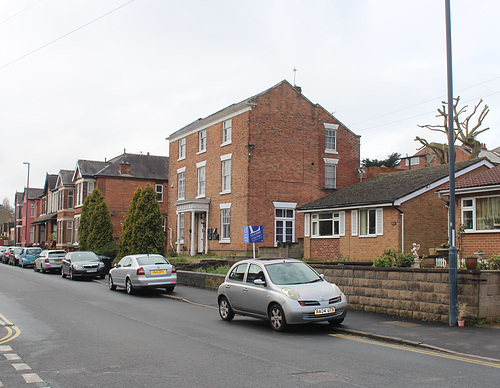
column 82, row 264
column 5, row 255
column 143, row 271
column 14, row 253
column 282, row 291
column 50, row 260
column 28, row 256
column 2, row 251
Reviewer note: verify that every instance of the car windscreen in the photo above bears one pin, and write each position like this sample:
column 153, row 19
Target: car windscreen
column 150, row 260
column 292, row 273
column 84, row 256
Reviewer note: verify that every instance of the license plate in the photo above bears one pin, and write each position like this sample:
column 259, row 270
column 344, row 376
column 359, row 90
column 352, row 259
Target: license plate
column 91, row 270
column 326, row 310
column 157, row 271
column 58, row 261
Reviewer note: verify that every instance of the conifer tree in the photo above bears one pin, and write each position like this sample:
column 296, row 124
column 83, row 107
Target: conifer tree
column 148, row 235
column 126, row 243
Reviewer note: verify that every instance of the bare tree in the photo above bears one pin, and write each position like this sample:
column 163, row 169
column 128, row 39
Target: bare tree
column 466, row 129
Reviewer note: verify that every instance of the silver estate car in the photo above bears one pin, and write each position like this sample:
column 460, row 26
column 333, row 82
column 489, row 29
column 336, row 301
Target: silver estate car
column 283, row 291
column 50, row 260
column 143, row 271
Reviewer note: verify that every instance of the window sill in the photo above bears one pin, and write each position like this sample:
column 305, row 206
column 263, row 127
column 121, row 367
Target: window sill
column 333, row 152
column 226, row 143
column 183, row 158
column 201, row 152
column 227, row 241
column 225, row 192
column 200, row 196
column 327, row 237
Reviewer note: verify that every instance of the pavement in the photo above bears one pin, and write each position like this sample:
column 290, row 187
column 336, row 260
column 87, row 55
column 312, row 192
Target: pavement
column 480, row 341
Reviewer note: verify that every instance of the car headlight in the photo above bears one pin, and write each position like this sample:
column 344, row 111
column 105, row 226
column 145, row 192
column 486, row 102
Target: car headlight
column 336, row 289
column 292, row 294
column 76, row 266
column 101, row 265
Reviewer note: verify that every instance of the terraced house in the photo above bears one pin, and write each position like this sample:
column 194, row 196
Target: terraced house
column 252, row 164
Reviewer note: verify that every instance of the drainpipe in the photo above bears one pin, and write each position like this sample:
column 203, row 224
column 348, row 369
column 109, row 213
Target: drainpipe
column 402, row 214
column 447, row 206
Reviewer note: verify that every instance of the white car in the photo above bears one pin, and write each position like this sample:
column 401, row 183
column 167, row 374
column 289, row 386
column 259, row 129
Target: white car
column 50, row 260
column 136, row 272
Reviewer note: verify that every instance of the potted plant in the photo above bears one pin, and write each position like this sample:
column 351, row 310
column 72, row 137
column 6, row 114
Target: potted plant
column 461, row 310
column 470, row 262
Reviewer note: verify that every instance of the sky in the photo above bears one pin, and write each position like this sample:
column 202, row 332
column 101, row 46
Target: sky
column 88, row 79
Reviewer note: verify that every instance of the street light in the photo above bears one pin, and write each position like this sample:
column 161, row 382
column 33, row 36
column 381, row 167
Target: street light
column 27, row 197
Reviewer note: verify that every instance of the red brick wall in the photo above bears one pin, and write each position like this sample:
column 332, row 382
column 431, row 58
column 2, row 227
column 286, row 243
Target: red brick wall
column 283, row 164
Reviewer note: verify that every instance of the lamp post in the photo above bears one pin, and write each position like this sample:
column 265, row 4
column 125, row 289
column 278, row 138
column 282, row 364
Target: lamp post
column 452, row 256
column 26, row 210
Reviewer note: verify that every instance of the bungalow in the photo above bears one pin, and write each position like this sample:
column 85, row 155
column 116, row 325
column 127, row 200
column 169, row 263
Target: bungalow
column 389, row 211
column 478, row 211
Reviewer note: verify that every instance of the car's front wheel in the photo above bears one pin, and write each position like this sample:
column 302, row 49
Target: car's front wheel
column 62, row 273
column 277, row 318
column 225, row 310
column 111, row 286
column 71, row 276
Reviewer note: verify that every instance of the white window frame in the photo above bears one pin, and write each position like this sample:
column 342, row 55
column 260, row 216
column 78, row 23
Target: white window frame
column 227, row 126
column 473, row 209
column 182, row 149
column 225, row 214
column 77, row 224
column 226, row 168
column 202, row 141
column 32, row 209
column 201, row 178
column 182, row 219
column 69, row 232
column 331, row 133
column 159, row 193
column 307, row 225
column 71, row 199
column 90, row 188
column 379, row 222
column 285, row 207
column 181, row 183
column 337, row 220
column 330, row 172
column 32, row 234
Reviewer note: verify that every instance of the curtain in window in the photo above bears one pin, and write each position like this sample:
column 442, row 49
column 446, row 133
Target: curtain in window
column 487, row 213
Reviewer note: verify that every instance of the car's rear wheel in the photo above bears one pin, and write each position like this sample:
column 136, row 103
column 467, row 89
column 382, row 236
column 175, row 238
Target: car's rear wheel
column 128, row 287
column 43, row 269
column 71, row 276
column 34, row 268
column 336, row 322
column 277, row 318
column 225, row 310
column 169, row 288
column 111, row 286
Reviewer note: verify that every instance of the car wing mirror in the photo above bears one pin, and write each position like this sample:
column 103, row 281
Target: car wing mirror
column 259, row 282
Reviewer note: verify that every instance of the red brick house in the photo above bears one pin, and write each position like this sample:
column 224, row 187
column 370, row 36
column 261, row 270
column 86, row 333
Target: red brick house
column 478, row 212
column 253, row 163
column 389, row 211
column 118, row 179
column 46, row 221
column 29, row 206
column 63, row 200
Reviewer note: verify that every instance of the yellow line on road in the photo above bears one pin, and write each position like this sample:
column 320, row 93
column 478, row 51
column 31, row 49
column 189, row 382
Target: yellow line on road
column 416, row 350
column 12, row 330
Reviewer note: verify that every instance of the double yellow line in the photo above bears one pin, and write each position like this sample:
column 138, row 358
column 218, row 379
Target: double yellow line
column 12, row 330
column 422, row 351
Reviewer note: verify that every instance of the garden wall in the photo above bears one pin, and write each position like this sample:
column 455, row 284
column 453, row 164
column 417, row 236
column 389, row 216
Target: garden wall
column 421, row 294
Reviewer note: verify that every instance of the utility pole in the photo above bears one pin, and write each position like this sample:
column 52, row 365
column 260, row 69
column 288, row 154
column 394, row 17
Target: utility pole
column 26, row 210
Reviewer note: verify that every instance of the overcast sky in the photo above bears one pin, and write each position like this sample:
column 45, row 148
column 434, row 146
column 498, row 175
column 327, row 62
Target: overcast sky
column 86, row 79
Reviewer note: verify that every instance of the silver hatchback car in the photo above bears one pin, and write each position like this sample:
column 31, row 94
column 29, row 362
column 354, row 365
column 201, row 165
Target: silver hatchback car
column 283, row 291
column 143, row 271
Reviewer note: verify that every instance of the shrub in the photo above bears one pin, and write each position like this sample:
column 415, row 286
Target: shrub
column 394, row 258
column 222, row 270
column 493, row 262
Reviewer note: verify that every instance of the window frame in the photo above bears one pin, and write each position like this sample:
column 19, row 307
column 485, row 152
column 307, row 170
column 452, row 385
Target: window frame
column 159, row 193
column 225, row 223
column 331, row 133
column 330, row 173
column 473, row 209
column 285, row 208
column 201, row 179
column 181, row 183
column 202, row 141
column 182, row 149
column 227, row 129
column 226, row 173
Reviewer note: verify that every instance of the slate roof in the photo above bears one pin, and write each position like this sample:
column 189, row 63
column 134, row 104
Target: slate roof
column 50, row 182
column 34, row 193
column 385, row 188
column 67, row 177
column 88, row 168
column 141, row 166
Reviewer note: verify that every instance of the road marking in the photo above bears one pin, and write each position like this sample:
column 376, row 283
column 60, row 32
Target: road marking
column 32, row 378
column 12, row 330
column 416, row 350
column 6, row 348
column 12, row 356
column 21, row 366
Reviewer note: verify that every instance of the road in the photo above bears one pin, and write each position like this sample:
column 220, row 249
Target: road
column 63, row 333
